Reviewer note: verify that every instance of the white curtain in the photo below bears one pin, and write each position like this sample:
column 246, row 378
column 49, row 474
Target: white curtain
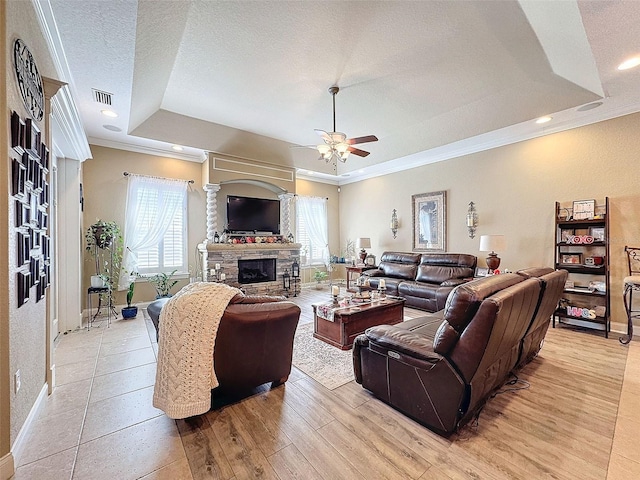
column 314, row 212
column 151, row 205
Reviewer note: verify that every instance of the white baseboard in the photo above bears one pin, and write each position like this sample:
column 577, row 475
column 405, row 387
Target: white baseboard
column 7, row 468
column 19, row 444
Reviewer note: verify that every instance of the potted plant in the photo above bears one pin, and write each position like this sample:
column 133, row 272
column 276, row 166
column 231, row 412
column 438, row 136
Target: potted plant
column 130, row 311
column 319, row 276
column 163, row 283
column 104, row 243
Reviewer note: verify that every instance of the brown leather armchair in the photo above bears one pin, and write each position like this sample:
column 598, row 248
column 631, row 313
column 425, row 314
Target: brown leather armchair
column 254, row 343
column 442, row 379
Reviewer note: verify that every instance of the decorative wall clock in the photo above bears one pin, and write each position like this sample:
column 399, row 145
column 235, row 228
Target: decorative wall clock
column 29, row 80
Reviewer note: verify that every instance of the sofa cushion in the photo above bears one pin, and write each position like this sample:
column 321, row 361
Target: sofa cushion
column 399, row 265
column 437, row 268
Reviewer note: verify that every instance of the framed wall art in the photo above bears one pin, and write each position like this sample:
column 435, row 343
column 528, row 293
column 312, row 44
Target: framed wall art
column 429, row 221
column 23, row 284
column 19, row 173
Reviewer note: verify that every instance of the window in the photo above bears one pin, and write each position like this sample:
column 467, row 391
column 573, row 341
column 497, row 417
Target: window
column 311, row 229
column 155, row 235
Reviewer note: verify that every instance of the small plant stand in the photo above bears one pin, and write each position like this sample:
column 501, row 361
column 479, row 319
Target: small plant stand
column 100, row 291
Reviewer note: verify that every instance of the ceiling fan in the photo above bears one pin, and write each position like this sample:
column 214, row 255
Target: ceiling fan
column 336, row 145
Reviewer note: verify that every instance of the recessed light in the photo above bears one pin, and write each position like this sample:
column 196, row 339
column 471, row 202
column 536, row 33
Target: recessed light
column 113, row 128
column 630, row 63
column 544, row 119
column 177, row 148
column 309, row 172
column 589, row 106
column 109, row 113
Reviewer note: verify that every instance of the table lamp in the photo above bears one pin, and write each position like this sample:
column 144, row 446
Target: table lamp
column 362, row 243
column 491, row 243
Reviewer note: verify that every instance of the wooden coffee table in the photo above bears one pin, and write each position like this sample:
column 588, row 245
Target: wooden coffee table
column 352, row 321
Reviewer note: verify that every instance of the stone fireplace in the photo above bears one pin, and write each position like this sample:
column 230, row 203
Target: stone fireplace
column 258, row 260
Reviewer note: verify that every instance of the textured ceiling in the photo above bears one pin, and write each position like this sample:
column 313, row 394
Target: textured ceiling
column 429, row 78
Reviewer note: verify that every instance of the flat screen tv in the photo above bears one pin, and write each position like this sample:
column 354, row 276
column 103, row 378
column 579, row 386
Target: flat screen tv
column 253, row 215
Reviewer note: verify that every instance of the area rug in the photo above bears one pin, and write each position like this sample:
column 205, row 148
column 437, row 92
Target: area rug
column 327, row 365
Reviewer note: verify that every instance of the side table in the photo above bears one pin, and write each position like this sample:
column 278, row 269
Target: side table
column 358, row 269
column 99, row 291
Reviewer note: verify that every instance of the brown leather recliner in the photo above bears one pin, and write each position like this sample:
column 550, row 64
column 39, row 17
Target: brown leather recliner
column 254, row 343
column 552, row 287
column 441, row 382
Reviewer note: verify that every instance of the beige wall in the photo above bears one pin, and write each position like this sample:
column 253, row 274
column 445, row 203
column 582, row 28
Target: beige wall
column 6, row 464
column 27, row 324
column 515, row 189
column 105, row 193
column 331, row 193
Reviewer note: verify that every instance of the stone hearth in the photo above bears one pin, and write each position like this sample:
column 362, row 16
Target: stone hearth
column 227, row 256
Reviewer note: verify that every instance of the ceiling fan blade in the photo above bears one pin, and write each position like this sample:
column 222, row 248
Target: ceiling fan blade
column 325, row 136
column 357, row 151
column 367, row 139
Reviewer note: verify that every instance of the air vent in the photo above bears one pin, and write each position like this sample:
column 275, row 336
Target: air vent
column 102, row 97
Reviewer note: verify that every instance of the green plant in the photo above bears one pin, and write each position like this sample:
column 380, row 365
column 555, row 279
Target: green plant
column 319, row 275
column 163, row 283
column 132, row 286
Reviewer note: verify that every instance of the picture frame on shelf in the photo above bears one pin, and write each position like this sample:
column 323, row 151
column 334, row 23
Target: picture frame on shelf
column 482, row 272
column 571, row 258
column 370, row 260
column 584, row 209
column 598, row 233
column 429, row 221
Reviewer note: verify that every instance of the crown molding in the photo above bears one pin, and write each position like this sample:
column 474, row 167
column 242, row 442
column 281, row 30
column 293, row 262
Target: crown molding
column 158, row 152
column 66, row 117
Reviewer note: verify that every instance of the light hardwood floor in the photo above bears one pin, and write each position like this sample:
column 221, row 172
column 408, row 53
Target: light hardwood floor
column 577, row 420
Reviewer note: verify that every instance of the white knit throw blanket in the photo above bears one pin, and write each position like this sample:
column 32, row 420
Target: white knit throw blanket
column 187, row 336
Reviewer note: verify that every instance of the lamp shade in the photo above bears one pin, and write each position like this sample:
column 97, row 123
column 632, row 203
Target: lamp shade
column 363, row 242
column 492, row 243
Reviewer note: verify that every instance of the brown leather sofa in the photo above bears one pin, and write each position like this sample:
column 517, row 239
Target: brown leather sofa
column 254, row 343
column 440, row 369
column 423, row 280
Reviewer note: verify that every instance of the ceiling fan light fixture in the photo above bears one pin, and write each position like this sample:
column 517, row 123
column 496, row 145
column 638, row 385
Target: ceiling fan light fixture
column 342, row 147
column 343, row 156
column 324, row 150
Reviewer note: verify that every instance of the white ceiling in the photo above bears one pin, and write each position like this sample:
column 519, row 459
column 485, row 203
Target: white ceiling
column 431, row 79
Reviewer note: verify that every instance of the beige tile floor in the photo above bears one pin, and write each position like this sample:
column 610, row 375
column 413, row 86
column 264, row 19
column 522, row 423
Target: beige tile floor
column 99, row 422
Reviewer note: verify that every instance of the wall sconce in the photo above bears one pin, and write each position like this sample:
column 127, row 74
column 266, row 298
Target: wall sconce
column 472, row 220
column 394, row 223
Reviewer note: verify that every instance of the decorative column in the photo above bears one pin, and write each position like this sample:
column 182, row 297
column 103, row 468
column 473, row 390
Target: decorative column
column 212, row 210
column 285, row 213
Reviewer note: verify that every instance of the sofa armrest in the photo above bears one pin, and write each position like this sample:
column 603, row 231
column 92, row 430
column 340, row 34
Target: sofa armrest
column 373, row 273
column 403, row 341
column 454, row 282
column 242, row 298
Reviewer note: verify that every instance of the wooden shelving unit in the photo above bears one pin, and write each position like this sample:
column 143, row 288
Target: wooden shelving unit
column 581, row 257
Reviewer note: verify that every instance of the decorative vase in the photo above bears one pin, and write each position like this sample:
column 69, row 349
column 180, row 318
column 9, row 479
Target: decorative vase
column 129, row 312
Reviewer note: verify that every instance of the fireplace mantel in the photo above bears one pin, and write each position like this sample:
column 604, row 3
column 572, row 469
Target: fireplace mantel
column 226, row 255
